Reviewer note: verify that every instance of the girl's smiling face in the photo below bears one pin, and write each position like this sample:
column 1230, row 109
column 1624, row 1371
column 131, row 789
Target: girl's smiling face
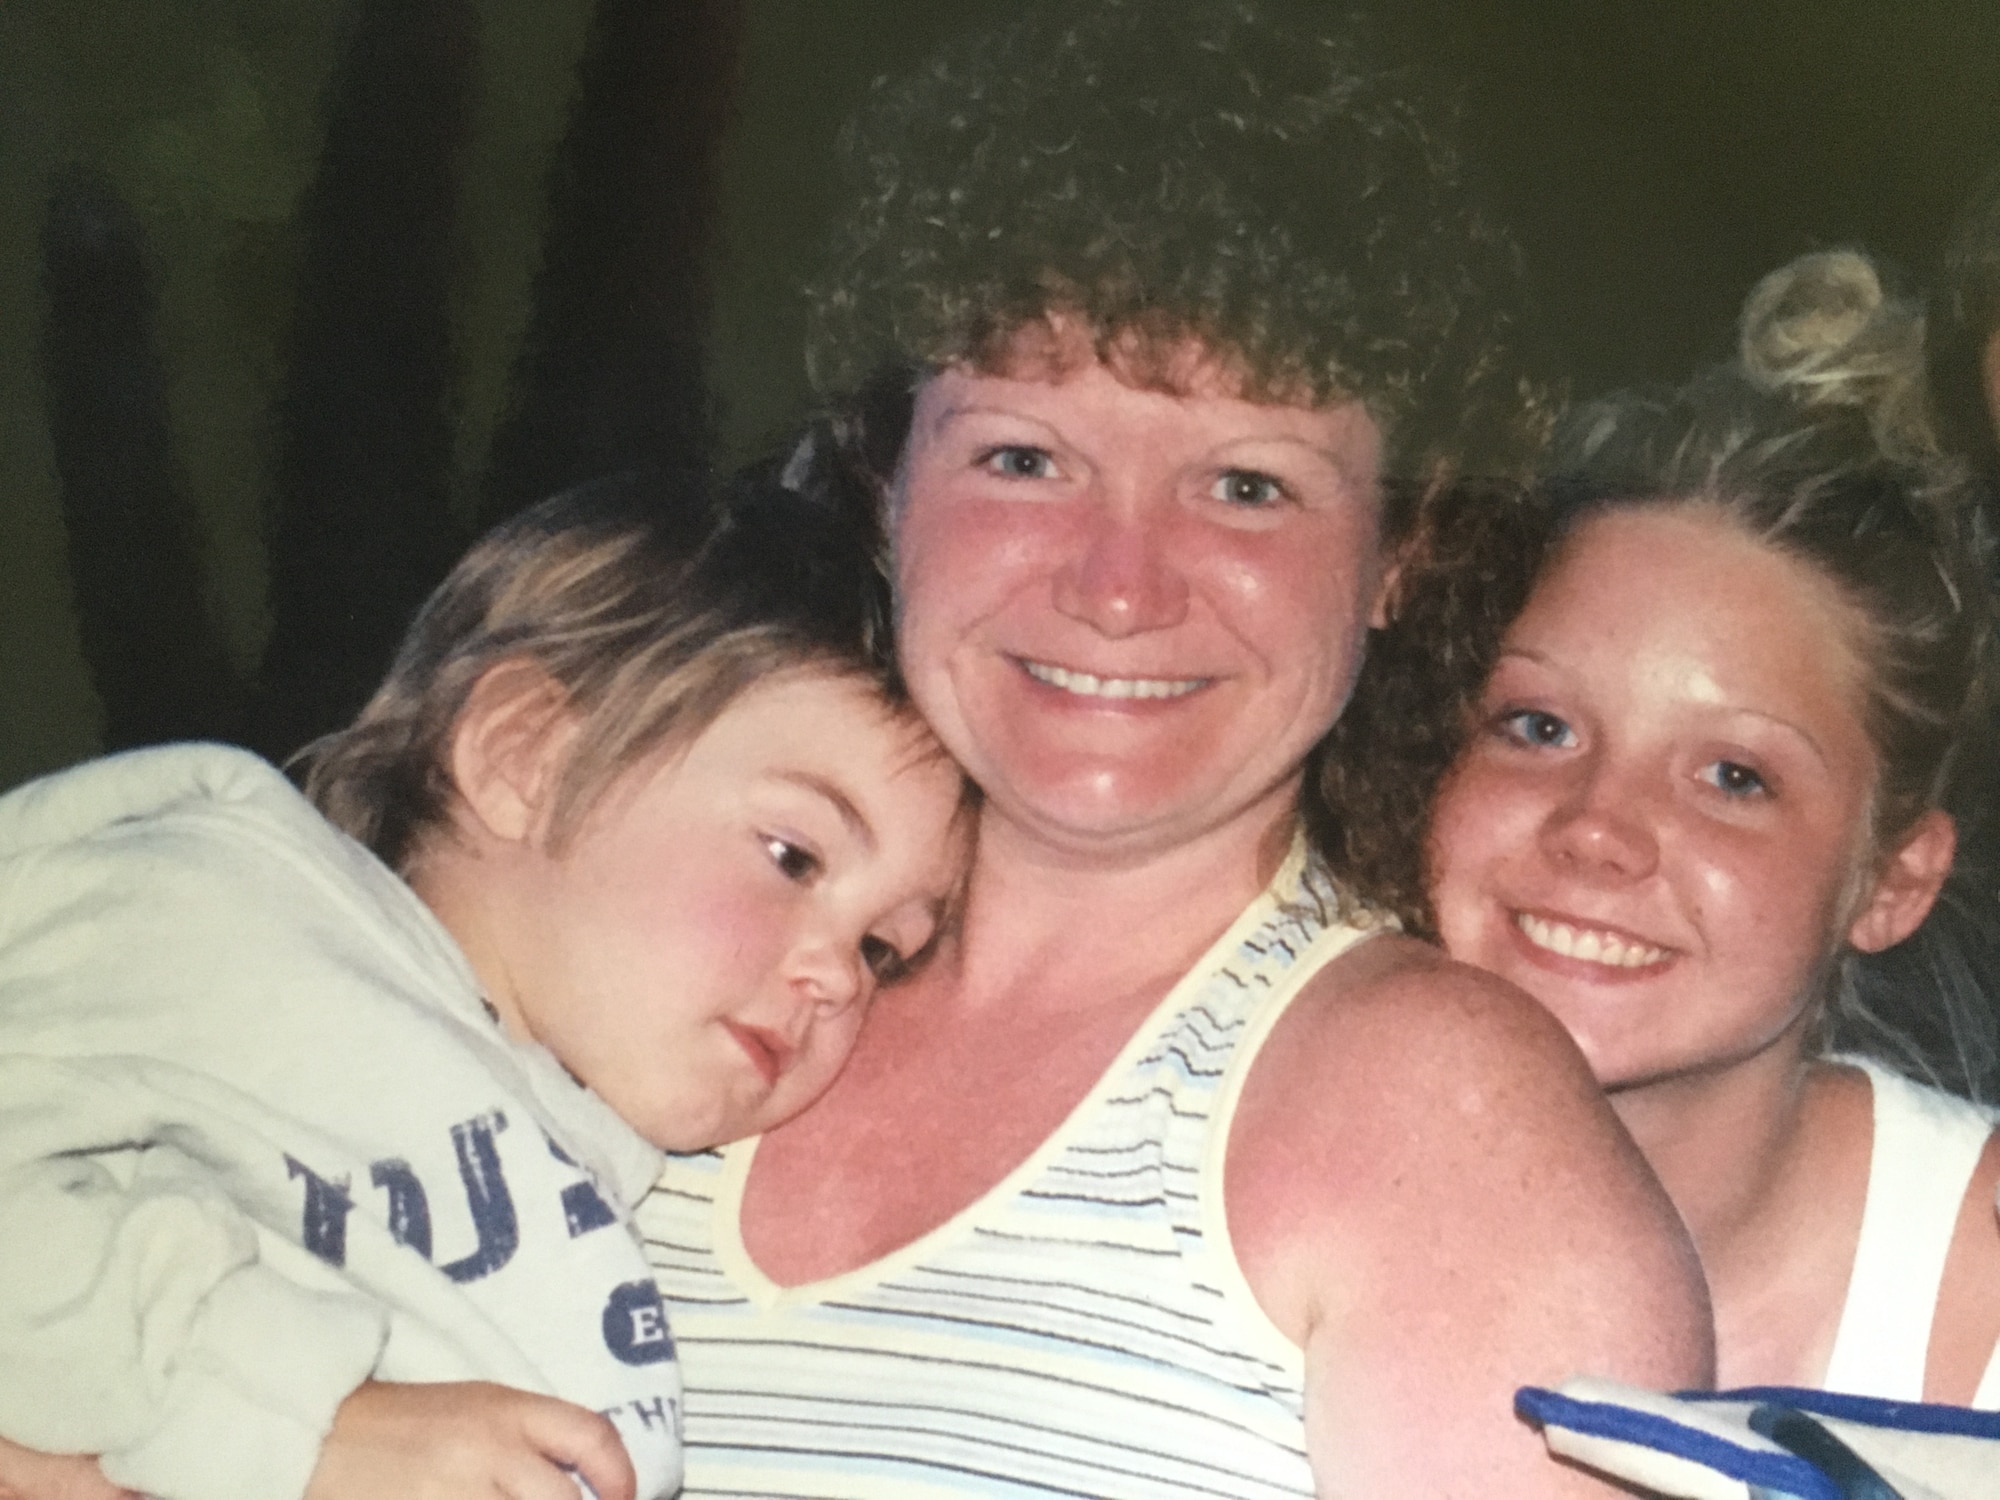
column 1660, row 827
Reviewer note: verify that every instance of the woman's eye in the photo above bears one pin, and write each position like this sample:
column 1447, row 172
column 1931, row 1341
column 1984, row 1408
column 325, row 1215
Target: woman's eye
column 794, row 861
column 1734, row 779
column 882, row 959
column 1533, row 726
column 1247, row 487
column 1018, row 461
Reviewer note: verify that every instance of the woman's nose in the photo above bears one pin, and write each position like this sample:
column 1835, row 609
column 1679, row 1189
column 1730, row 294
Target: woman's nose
column 1602, row 828
column 1121, row 581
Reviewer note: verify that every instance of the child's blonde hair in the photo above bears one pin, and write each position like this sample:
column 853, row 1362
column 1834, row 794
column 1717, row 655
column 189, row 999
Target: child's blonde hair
column 649, row 611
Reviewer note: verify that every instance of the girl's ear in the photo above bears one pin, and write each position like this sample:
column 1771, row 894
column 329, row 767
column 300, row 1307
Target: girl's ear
column 1906, row 885
column 508, row 749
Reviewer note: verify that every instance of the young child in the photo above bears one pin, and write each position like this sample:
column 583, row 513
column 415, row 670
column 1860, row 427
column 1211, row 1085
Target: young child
column 1706, row 780
column 293, row 1107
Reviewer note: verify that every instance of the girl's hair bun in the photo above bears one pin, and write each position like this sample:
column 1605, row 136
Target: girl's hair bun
column 1824, row 330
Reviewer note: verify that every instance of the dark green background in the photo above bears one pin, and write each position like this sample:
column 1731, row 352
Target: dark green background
column 1655, row 157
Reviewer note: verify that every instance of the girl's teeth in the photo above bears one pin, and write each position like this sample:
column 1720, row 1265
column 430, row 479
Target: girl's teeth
column 1086, row 685
column 1586, row 944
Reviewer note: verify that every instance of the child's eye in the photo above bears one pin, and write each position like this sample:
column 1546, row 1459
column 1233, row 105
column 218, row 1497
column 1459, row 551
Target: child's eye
column 795, row 861
column 1734, row 779
column 1536, row 727
column 1247, row 487
column 882, row 959
column 1018, row 461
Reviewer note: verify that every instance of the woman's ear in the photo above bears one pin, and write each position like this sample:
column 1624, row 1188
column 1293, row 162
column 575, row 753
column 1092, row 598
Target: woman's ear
column 1906, row 885
column 508, row 749
column 1383, row 610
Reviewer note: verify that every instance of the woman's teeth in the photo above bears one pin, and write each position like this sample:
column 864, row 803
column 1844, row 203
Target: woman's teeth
column 1586, row 944
column 1111, row 687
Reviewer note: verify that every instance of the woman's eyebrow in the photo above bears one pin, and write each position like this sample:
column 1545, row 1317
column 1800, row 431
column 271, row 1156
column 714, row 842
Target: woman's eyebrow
column 843, row 804
column 946, row 415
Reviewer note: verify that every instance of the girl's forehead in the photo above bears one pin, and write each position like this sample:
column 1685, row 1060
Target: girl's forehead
column 1679, row 594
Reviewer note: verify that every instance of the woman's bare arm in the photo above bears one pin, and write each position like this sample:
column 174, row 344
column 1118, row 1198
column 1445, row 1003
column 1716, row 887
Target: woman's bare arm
column 1429, row 1193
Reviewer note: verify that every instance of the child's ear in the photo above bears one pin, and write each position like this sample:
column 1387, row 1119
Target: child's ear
column 1906, row 885
column 508, row 749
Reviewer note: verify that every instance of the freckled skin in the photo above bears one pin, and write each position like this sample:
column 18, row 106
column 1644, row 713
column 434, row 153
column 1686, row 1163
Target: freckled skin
column 1685, row 769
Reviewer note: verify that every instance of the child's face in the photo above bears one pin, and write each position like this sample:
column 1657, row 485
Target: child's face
column 716, row 927
column 1656, row 827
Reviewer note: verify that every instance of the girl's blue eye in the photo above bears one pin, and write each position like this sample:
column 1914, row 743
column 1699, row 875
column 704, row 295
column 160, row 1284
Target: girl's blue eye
column 1247, row 487
column 1534, row 727
column 1734, row 779
column 1018, row 461
column 794, row 861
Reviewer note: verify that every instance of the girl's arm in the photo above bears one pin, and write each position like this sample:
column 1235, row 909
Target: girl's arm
column 1963, row 1364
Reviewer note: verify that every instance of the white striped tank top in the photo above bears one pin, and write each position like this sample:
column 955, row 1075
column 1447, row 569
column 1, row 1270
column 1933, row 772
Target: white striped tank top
column 1081, row 1330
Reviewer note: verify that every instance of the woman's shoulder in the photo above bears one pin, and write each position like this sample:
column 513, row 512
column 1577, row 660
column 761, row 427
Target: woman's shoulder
column 1394, row 1053
column 1399, row 1012
column 1410, row 1106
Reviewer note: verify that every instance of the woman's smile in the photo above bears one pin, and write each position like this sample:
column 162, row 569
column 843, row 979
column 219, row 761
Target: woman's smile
column 1089, row 685
column 1129, row 613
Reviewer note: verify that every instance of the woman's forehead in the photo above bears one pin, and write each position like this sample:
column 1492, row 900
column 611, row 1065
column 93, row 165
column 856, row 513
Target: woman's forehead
column 1097, row 401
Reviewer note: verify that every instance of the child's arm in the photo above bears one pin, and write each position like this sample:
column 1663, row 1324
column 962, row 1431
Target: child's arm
column 467, row 1442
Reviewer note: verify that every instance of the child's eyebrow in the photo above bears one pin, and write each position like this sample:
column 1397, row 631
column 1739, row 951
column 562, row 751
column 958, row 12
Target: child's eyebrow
column 842, row 803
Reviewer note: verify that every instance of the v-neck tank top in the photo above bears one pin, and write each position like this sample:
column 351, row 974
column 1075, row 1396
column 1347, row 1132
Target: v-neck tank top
column 1082, row 1329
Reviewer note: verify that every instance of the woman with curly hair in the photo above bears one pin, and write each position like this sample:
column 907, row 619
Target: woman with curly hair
column 1704, row 792
column 1175, row 1172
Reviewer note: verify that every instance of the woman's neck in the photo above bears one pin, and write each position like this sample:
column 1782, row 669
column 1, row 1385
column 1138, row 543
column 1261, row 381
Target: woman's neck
column 1046, row 910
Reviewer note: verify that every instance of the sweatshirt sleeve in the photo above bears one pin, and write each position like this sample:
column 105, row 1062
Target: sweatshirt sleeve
column 138, row 1320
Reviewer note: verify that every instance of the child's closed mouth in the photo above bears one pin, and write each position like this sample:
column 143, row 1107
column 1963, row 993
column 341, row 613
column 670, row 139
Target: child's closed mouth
column 769, row 1051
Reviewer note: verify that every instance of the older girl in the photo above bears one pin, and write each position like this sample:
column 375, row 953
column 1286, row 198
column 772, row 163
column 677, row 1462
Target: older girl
column 1705, row 780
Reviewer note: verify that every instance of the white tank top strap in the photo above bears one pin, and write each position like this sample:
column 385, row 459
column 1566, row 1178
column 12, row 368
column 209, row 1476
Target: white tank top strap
column 1926, row 1145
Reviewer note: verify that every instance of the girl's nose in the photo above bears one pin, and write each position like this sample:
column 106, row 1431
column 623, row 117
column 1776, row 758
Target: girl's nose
column 1603, row 828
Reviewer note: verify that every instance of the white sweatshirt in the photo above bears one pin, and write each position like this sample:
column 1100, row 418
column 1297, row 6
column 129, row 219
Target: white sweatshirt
column 260, row 1141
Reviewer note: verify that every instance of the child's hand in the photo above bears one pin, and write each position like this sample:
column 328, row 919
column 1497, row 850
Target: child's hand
column 28, row 1475
column 469, row 1441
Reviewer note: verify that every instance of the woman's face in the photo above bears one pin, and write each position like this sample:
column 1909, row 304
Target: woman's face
column 1129, row 614
column 1657, row 825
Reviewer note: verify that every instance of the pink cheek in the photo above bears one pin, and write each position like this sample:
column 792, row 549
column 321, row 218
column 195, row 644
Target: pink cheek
column 726, row 924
